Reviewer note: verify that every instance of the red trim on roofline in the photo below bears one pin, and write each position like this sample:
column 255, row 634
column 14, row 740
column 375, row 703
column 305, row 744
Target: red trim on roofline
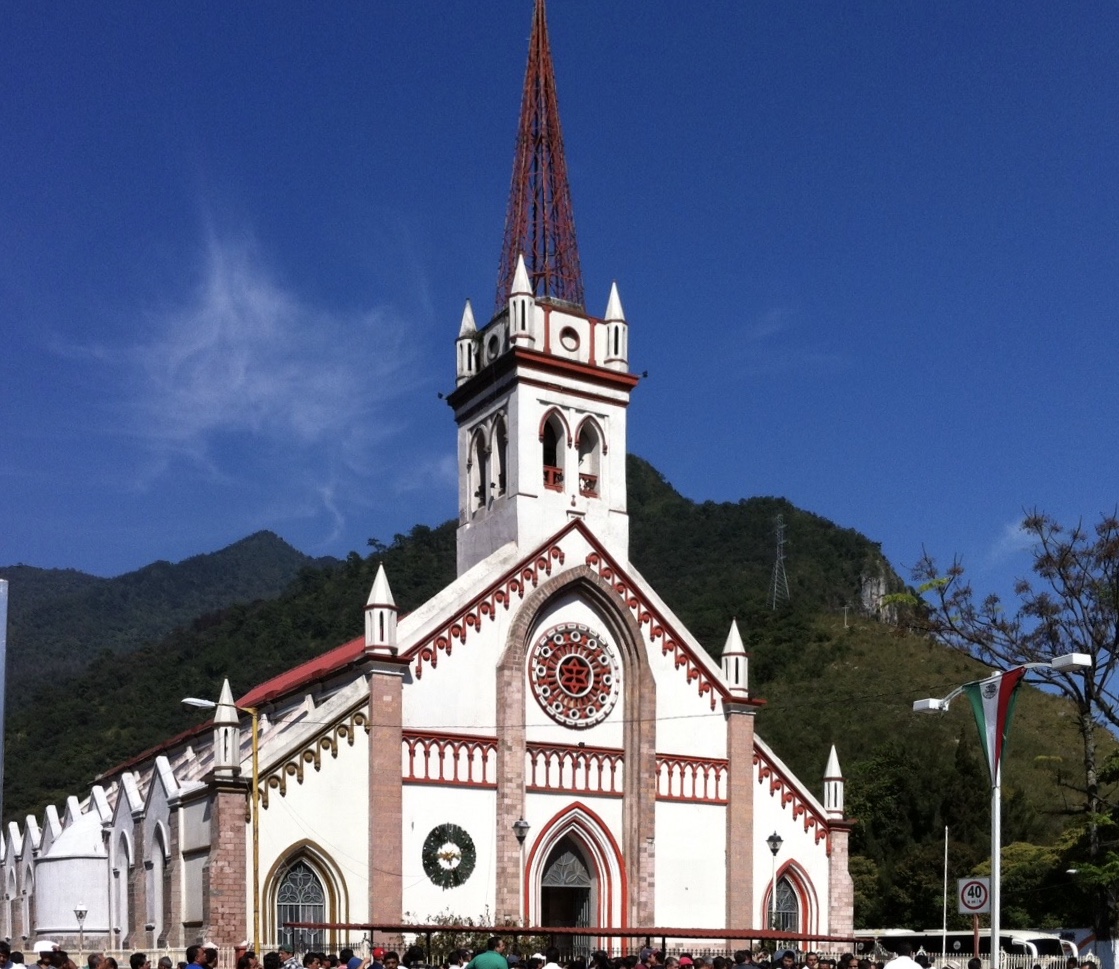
column 314, row 669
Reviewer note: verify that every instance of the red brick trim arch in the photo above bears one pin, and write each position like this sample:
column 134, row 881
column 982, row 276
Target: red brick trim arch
column 638, row 704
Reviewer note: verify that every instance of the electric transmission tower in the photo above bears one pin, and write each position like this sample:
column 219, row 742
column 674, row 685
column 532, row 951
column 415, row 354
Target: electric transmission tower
column 779, row 589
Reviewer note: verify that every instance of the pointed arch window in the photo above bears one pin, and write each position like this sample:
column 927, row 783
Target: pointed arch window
column 590, row 460
column 499, row 456
column 301, row 898
column 553, row 442
column 787, row 910
column 478, row 478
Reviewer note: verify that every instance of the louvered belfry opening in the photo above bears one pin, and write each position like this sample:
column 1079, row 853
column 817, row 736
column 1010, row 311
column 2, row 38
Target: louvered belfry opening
column 540, row 220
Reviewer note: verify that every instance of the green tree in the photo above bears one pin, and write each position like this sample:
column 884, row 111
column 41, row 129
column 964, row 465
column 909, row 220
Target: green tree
column 1070, row 606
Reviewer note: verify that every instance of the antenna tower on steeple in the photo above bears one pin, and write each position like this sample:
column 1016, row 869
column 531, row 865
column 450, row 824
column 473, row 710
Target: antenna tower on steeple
column 779, row 588
column 540, row 220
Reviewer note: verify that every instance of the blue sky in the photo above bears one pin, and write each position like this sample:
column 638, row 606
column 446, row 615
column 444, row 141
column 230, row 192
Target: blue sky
column 868, row 253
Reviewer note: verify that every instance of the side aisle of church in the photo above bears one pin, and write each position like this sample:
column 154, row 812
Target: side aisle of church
column 542, row 741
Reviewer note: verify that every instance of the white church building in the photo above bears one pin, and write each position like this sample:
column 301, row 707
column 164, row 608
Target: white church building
column 543, row 741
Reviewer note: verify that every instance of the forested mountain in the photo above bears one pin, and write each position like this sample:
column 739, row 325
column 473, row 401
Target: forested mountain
column 59, row 620
column 827, row 678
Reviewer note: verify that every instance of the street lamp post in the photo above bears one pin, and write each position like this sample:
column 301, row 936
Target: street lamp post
column 520, row 829
column 254, row 713
column 992, row 702
column 80, row 912
column 774, row 841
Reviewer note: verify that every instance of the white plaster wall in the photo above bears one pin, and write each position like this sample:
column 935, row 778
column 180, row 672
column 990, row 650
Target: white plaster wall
column 459, row 694
column 55, row 899
column 799, row 846
column 330, row 809
column 686, row 724
column 192, row 888
column 194, row 831
column 424, row 808
column 690, row 864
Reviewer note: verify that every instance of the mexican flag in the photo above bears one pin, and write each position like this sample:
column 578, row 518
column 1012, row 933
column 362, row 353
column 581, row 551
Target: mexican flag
column 992, row 702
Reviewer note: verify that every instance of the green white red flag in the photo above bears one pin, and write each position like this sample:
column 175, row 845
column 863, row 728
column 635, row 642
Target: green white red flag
column 992, row 702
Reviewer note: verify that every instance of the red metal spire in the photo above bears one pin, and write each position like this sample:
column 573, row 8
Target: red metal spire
column 540, row 221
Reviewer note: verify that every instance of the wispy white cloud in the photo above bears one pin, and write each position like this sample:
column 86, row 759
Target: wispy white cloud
column 1011, row 541
column 246, row 355
column 772, row 343
column 283, row 408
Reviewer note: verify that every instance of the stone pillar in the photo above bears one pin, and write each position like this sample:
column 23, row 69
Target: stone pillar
column 739, row 713
column 173, row 884
column 510, row 719
column 386, row 800
column 225, row 916
column 639, row 808
column 138, row 889
column 841, row 887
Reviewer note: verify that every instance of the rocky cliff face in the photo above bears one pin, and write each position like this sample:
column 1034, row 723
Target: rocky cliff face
column 873, row 588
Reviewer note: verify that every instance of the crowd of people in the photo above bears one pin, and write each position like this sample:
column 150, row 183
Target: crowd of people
column 496, row 956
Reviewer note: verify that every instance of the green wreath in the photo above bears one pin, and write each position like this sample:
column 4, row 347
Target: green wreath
column 448, row 856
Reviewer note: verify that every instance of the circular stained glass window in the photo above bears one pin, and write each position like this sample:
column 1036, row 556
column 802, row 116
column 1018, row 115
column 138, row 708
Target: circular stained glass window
column 574, row 675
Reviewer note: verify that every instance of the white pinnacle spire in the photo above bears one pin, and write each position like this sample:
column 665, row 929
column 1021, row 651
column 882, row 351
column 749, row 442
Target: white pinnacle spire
column 614, row 311
column 380, row 616
column 521, row 284
column 833, row 786
column 832, row 771
column 380, row 594
column 468, row 328
column 733, row 646
column 734, row 662
column 226, row 710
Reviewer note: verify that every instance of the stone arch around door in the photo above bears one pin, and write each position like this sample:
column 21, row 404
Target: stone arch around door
column 577, row 829
column 638, row 694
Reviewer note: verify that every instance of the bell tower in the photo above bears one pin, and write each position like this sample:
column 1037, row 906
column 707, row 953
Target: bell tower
column 542, row 389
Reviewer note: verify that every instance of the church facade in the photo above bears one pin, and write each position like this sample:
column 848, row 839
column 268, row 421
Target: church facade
column 542, row 742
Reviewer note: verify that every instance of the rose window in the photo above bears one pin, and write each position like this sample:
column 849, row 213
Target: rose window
column 574, row 675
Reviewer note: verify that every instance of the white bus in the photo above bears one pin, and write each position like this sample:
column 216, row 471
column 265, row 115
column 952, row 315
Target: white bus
column 1041, row 946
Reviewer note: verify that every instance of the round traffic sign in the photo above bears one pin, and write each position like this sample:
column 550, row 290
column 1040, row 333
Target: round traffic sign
column 974, row 895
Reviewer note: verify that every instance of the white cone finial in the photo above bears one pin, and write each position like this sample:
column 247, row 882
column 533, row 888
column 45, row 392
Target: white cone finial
column 468, row 327
column 521, row 284
column 614, row 311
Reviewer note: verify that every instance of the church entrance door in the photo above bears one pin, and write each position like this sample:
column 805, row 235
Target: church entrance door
column 568, row 895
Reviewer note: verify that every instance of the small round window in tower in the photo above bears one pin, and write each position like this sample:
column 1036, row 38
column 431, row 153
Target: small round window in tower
column 569, row 339
column 493, row 347
column 574, row 675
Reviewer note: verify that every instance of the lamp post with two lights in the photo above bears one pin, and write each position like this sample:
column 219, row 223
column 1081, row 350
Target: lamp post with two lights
column 992, row 702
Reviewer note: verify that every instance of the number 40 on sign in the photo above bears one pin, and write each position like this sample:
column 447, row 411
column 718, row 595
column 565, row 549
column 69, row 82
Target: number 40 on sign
column 974, row 895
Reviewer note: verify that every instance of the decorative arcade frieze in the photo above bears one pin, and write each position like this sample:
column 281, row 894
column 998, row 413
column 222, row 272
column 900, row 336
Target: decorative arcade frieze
column 575, row 769
column 458, row 760
column 691, row 779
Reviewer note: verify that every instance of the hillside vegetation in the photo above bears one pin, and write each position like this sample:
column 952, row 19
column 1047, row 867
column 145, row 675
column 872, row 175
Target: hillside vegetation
column 61, row 619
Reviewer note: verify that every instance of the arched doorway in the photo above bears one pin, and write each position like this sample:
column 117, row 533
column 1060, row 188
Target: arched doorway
column 568, row 892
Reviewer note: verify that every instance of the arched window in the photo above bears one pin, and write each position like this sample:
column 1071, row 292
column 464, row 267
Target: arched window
column 498, row 454
column 479, row 477
column 787, row 911
column 590, row 452
column 301, row 898
column 553, row 441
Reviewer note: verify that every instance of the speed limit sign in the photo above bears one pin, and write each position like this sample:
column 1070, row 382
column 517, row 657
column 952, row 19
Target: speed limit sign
column 974, row 895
